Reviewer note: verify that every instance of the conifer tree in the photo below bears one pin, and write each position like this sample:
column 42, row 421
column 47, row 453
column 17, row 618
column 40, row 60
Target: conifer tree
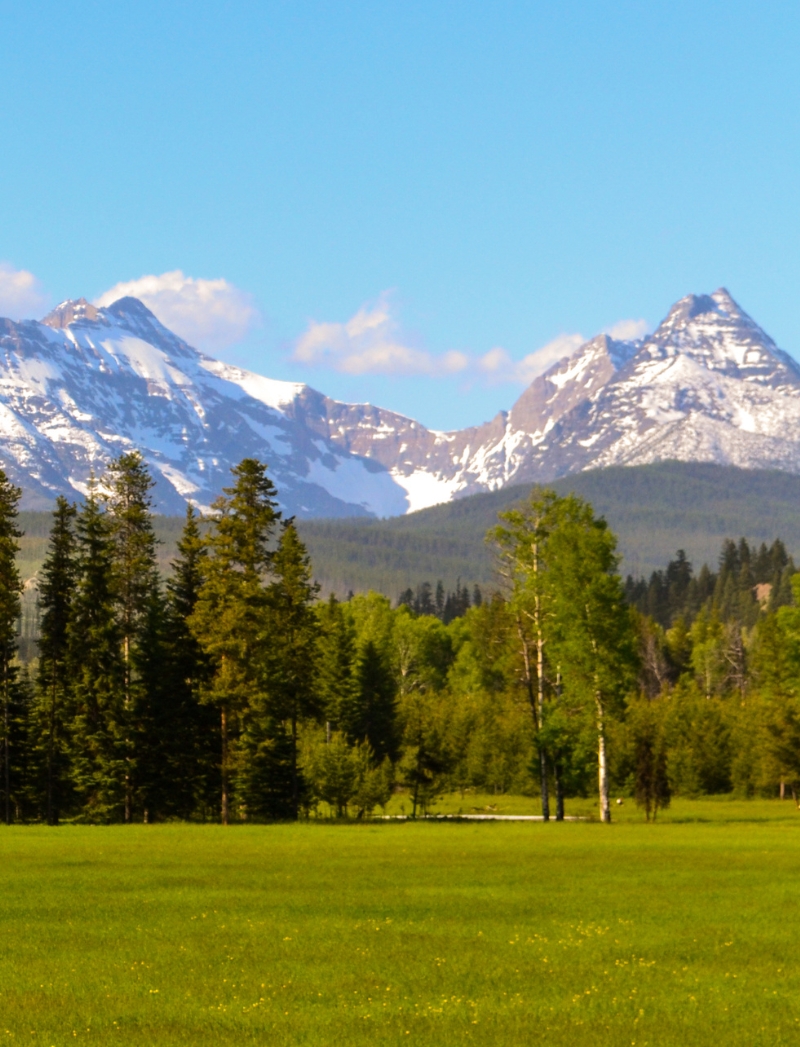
column 292, row 639
column 99, row 729
column 10, row 606
column 138, row 605
column 374, row 717
column 191, row 754
column 24, row 794
column 229, row 616
column 56, row 588
column 336, row 684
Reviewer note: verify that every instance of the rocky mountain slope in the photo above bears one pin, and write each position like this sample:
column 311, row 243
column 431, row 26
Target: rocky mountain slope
column 85, row 384
column 708, row 385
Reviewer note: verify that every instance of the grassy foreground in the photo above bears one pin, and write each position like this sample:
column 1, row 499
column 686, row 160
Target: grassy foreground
column 400, row 933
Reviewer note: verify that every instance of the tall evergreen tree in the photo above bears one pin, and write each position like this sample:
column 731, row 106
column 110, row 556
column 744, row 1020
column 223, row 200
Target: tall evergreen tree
column 336, row 684
column 56, row 590
column 291, row 642
column 10, row 606
column 374, row 717
column 138, row 603
column 24, row 791
column 190, row 752
column 229, row 615
column 99, row 729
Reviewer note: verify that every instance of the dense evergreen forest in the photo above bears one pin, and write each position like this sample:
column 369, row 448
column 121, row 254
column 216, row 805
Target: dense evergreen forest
column 221, row 686
column 652, row 509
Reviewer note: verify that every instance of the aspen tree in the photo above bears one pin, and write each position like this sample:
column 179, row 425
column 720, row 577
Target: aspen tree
column 521, row 542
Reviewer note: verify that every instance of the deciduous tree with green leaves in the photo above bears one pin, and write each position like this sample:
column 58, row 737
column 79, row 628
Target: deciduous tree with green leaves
column 593, row 644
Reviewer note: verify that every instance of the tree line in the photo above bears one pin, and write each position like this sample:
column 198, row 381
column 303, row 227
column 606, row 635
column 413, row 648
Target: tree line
column 230, row 691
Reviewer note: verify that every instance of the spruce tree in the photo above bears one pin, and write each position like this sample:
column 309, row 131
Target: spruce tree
column 229, row 616
column 335, row 656
column 375, row 716
column 291, row 642
column 138, row 604
column 56, row 589
column 10, row 606
column 99, row 729
column 189, row 729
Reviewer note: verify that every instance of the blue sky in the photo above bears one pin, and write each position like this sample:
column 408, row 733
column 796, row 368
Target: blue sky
column 402, row 202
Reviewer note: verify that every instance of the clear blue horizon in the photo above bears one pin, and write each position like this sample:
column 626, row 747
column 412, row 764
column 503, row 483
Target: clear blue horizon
column 412, row 204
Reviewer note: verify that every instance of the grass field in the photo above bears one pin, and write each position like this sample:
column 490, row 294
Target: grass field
column 678, row 933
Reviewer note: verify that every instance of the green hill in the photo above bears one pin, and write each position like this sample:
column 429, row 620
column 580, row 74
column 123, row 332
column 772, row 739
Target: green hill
column 654, row 509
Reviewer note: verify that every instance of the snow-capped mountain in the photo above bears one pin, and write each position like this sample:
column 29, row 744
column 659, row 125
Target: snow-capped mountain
column 708, row 385
column 86, row 383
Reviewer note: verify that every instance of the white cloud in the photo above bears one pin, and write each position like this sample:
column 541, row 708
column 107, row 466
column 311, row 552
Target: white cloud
column 628, row 330
column 21, row 294
column 372, row 342
column 209, row 314
column 498, row 365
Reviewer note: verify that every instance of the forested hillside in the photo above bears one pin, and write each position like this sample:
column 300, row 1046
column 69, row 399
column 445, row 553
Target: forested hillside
column 653, row 509
column 221, row 686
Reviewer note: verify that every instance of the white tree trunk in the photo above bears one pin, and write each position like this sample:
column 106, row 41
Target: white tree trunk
column 602, row 763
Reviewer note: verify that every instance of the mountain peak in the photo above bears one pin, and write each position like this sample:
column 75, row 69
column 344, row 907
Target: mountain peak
column 130, row 308
column 725, row 301
column 69, row 312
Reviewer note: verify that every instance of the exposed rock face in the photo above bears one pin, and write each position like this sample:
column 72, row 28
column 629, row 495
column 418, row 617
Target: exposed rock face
column 89, row 383
column 86, row 383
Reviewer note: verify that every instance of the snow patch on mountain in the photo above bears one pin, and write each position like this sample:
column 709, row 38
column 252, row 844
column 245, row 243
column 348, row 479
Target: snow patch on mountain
column 424, row 489
column 86, row 383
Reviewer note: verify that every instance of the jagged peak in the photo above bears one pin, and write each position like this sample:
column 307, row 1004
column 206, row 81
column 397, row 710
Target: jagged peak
column 70, row 311
column 720, row 303
column 726, row 301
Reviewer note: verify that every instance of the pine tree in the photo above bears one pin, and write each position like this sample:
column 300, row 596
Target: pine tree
column 291, row 642
column 229, row 616
column 191, row 755
column 99, row 729
column 376, row 712
column 10, row 606
column 24, row 794
column 138, row 606
column 56, row 589
column 336, row 685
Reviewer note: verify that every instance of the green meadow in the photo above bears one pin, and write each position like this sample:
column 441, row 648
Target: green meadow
column 678, row 933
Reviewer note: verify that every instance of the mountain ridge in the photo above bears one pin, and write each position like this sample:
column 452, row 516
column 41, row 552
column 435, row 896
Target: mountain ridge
column 86, row 383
